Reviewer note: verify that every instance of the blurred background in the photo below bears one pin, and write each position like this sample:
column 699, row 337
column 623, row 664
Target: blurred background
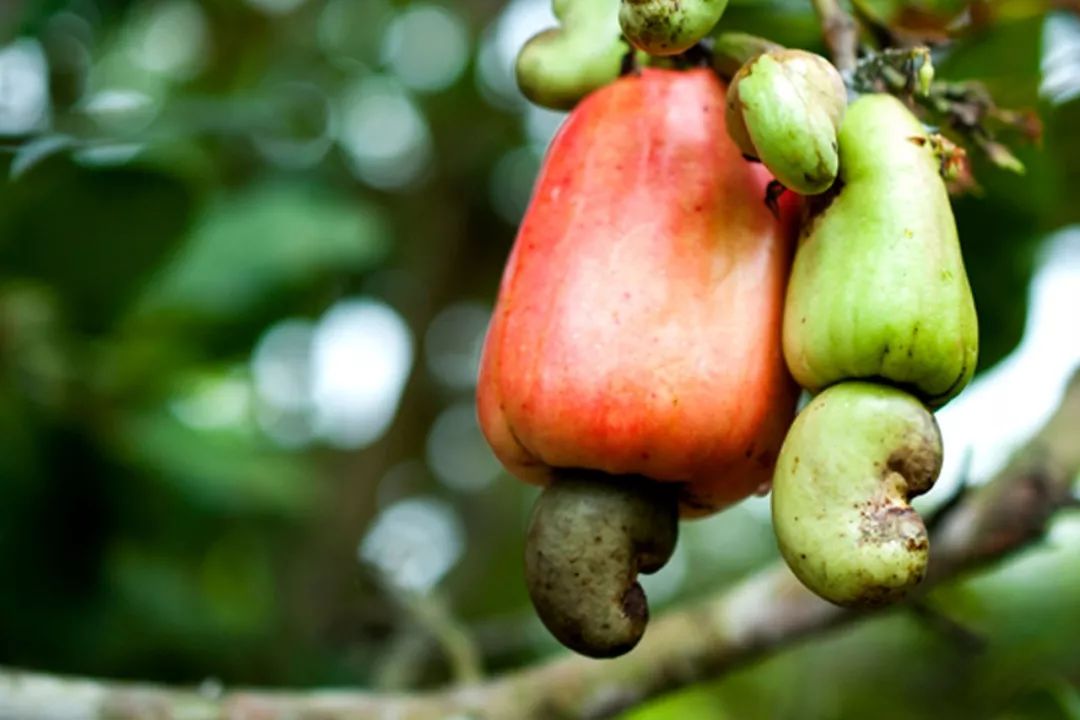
column 248, row 250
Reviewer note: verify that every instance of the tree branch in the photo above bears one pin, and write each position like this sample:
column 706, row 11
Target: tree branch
column 841, row 33
column 764, row 614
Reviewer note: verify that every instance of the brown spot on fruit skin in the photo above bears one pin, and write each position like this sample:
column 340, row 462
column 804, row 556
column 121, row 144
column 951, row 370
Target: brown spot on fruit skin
column 919, row 460
column 634, row 603
column 860, row 543
column 883, row 520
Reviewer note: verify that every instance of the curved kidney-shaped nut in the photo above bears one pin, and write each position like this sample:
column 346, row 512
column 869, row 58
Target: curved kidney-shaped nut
column 589, row 537
column 851, row 462
column 560, row 66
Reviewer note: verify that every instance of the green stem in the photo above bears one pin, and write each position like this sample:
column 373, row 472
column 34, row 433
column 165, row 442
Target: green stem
column 453, row 638
column 730, row 50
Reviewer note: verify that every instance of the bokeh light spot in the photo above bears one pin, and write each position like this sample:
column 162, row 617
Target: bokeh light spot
column 384, row 133
column 275, row 7
column 426, row 47
column 405, row 479
column 453, row 344
column 499, row 47
column 108, row 154
column 299, row 126
column 362, row 353
column 281, row 375
column 24, row 87
column 414, row 543
column 349, row 32
column 214, row 403
column 512, row 181
column 170, row 38
column 457, row 452
column 1061, row 58
column 541, row 125
column 121, row 110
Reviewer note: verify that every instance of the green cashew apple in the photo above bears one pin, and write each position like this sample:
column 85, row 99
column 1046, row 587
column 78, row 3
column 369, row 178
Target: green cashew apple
column 878, row 288
column 850, row 463
column 668, row 27
column 560, row 66
column 785, row 108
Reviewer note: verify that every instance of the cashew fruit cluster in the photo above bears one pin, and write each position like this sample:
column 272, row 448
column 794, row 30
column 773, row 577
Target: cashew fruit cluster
column 660, row 309
column 880, row 320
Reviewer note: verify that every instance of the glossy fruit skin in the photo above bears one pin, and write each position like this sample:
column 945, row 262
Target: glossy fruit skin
column 851, row 461
column 637, row 329
column 878, row 288
column 785, row 108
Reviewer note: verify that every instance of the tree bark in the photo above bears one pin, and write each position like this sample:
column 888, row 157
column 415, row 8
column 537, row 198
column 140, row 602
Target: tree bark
column 762, row 615
column 840, row 32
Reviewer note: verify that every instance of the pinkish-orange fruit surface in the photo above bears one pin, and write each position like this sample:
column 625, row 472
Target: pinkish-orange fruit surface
column 637, row 329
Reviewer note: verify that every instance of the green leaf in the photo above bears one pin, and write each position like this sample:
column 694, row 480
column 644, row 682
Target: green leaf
column 224, row 470
column 1005, row 57
column 788, row 22
column 1002, row 228
column 225, row 587
column 1062, row 143
column 1000, row 235
column 248, row 247
column 700, row 702
column 93, row 234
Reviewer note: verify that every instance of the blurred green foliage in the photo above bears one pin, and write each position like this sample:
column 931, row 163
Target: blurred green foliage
column 203, row 172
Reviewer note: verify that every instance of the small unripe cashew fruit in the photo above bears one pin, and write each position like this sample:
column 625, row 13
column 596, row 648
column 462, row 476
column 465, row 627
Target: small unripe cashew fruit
column 851, row 462
column 589, row 537
column 785, row 108
column 668, row 27
column 559, row 66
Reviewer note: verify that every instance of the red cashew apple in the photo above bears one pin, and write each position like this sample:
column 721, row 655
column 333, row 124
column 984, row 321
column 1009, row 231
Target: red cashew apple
column 633, row 364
